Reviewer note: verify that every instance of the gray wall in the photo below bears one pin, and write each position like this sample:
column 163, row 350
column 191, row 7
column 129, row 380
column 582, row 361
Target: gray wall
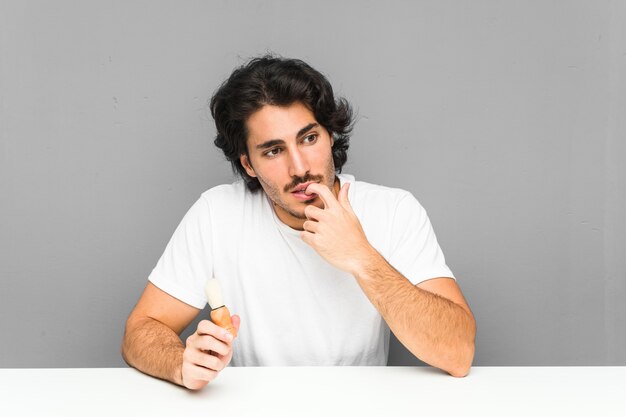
column 505, row 119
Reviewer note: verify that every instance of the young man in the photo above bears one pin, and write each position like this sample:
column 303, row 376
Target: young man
column 318, row 266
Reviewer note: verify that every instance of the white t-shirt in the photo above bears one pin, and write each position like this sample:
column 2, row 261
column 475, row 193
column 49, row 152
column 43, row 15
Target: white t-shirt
column 295, row 308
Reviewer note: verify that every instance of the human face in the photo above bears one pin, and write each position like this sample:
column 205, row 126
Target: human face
column 287, row 150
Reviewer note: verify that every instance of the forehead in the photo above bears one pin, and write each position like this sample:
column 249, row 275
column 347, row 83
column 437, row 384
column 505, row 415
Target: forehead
column 278, row 122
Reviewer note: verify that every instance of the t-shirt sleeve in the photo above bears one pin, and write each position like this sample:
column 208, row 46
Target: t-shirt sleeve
column 416, row 253
column 186, row 263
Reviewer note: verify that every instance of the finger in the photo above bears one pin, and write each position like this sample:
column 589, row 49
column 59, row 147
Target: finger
column 201, row 373
column 311, row 226
column 343, row 196
column 207, row 327
column 198, row 358
column 207, row 343
column 323, row 192
column 208, row 361
column 196, row 376
column 307, row 237
column 313, row 213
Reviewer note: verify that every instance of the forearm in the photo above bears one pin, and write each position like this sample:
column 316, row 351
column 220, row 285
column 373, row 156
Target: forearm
column 436, row 330
column 153, row 348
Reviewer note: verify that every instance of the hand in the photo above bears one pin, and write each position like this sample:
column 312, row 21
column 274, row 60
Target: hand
column 334, row 231
column 207, row 352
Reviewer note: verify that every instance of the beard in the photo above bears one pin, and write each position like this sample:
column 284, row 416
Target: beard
column 276, row 193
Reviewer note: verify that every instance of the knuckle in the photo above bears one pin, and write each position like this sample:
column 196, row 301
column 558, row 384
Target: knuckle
column 208, row 328
column 191, row 357
column 218, row 365
column 210, row 375
column 209, row 361
column 203, row 326
column 219, row 347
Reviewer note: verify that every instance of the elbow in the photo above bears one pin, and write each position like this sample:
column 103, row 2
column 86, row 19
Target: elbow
column 462, row 367
column 124, row 351
column 465, row 358
column 460, row 371
column 125, row 346
column 459, row 362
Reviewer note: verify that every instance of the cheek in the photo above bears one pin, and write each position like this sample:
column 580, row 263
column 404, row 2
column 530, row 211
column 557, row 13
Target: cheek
column 322, row 154
column 273, row 172
column 326, row 158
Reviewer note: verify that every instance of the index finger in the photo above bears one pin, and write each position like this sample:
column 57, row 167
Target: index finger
column 206, row 327
column 323, row 192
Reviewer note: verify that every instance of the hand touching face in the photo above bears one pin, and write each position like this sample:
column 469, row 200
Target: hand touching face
column 287, row 149
column 335, row 231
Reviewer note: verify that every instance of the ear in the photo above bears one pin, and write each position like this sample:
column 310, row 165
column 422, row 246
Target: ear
column 332, row 140
column 243, row 158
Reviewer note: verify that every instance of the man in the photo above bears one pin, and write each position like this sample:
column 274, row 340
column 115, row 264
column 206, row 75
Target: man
column 318, row 266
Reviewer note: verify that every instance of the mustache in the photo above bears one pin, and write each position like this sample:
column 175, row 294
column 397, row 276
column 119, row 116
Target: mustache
column 301, row 180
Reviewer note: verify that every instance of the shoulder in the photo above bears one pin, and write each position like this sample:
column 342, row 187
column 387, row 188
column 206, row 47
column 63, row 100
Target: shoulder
column 229, row 201
column 230, row 194
column 225, row 192
column 374, row 197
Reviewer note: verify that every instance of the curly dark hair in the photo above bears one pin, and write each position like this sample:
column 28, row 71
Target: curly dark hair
column 272, row 80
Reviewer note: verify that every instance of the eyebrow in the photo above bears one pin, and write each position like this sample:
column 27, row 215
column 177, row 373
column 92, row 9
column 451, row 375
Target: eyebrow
column 274, row 142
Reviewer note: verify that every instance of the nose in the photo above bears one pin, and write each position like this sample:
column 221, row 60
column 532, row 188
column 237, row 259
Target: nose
column 298, row 164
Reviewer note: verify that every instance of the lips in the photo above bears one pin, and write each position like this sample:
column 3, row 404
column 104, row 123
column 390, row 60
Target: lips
column 302, row 187
column 299, row 192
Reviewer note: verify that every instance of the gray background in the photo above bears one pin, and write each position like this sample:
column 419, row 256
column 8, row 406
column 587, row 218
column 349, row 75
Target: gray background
column 505, row 119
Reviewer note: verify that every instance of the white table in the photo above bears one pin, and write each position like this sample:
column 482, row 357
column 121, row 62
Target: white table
column 319, row 391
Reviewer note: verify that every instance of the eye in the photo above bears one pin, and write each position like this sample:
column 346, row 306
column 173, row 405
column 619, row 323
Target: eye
column 310, row 138
column 272, row 152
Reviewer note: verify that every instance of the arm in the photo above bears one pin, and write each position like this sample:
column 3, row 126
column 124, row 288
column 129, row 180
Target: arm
column 152, row 344
column 432, row 319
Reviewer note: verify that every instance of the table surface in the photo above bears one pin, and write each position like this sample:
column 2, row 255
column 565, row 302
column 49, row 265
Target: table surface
column 319, row 391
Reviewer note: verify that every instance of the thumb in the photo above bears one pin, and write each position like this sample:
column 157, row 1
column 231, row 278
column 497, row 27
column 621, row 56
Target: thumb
column 236, row 321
